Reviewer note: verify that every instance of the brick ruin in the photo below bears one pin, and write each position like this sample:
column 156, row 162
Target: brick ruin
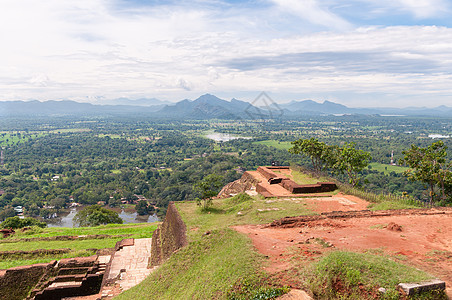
column 289, row 184
column 268, row 183
column 168, row 237
column 79, row 276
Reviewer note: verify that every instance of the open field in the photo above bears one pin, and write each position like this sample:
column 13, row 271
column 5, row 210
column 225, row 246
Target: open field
column 387, row 168
column 276, row 144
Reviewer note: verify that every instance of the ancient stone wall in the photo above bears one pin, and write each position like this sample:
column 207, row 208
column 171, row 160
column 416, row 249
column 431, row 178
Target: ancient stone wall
column 245, row 183
column 169, row 237
column 16, row 283
column 319, row 187
column 35, row 281
column 267, row 173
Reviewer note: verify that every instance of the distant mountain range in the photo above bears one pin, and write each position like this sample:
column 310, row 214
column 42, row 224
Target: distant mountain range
column 137, row 102
column 205, row 107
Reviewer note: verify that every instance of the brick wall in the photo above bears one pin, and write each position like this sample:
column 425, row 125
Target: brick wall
column 169, row 237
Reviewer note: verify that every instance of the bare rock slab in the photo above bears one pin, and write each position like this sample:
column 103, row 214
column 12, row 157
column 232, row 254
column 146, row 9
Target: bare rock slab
column 415, row 288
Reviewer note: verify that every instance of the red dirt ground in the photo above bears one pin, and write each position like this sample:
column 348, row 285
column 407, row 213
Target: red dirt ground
column 425, row 241
column 339, row 202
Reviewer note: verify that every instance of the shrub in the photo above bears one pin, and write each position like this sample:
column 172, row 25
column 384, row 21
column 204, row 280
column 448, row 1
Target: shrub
column 358, row 275
column 16, row 222
column 239, row 198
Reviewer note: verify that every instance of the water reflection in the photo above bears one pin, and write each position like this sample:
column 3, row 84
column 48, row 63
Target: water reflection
column 66, row 218
column 225, row 137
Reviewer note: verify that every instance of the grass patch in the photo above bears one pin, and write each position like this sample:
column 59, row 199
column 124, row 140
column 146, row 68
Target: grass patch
column 79, row 247
column 6, row 264
column 388, row 205
column 348, row 275
column 240, row 210
column 139, row 230
column 386, row 169
column 305, row 178
column 275, row 144
column 73, row 245
column 214, row 266
column 382, row 201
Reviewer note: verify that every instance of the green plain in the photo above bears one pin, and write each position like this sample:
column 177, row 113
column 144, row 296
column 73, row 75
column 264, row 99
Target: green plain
column 387, row 168
column 275, row 144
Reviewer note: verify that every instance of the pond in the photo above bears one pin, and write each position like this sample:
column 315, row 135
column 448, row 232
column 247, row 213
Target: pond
column 128, row 217
column 438, row 136
column 225, row 137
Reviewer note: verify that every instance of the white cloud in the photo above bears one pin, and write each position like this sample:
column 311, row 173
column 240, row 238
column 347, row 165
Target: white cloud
column 424, row 8
column 311, row 11
column 87, row 50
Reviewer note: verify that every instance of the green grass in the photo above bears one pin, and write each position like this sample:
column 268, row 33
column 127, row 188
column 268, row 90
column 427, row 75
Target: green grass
column 386, row 169
column 348, row 275
column 303, row 178
column 70, row 130
column 74, row 244
column 138, row 230
column 214, row 266
column 381, row 201
column 219, row 265
column 388, row 205
column 11, row 263
column 229, row 212
column 276, row 144
column 79, row 247
column 112, row 136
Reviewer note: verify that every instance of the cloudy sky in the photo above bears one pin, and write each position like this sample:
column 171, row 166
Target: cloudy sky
column 360, row 53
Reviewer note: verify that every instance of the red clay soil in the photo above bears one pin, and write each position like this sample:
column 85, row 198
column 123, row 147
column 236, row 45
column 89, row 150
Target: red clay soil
column 338, row 202
column 424, row 241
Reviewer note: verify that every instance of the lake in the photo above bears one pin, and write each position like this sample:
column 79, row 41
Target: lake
column 225, row 137
column 438, row 136
column 66, row 218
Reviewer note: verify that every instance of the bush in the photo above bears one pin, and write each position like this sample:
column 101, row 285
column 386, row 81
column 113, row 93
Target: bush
column 239, row 198
column 357, row 275
column 16, row 222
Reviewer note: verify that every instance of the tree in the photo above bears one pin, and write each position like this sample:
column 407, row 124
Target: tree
column 95, row 215
column 207, row 188
column 429, row 166
column 7, row 213
column 351, row 161
column 320, row 153
column 16, row 222
column 143, row 208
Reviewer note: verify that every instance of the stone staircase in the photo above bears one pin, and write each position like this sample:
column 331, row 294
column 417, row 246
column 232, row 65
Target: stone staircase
column 72, row 277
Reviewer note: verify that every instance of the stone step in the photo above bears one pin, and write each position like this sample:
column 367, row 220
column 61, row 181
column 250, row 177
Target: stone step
column 66, row 278
column 65, row 284
column 72, row 271
column 415, row 288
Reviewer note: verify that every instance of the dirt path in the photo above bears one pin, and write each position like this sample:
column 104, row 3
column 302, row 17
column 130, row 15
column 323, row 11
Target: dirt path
column 424, row 241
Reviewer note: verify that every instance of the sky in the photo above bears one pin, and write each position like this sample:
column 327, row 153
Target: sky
column 360, row 53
